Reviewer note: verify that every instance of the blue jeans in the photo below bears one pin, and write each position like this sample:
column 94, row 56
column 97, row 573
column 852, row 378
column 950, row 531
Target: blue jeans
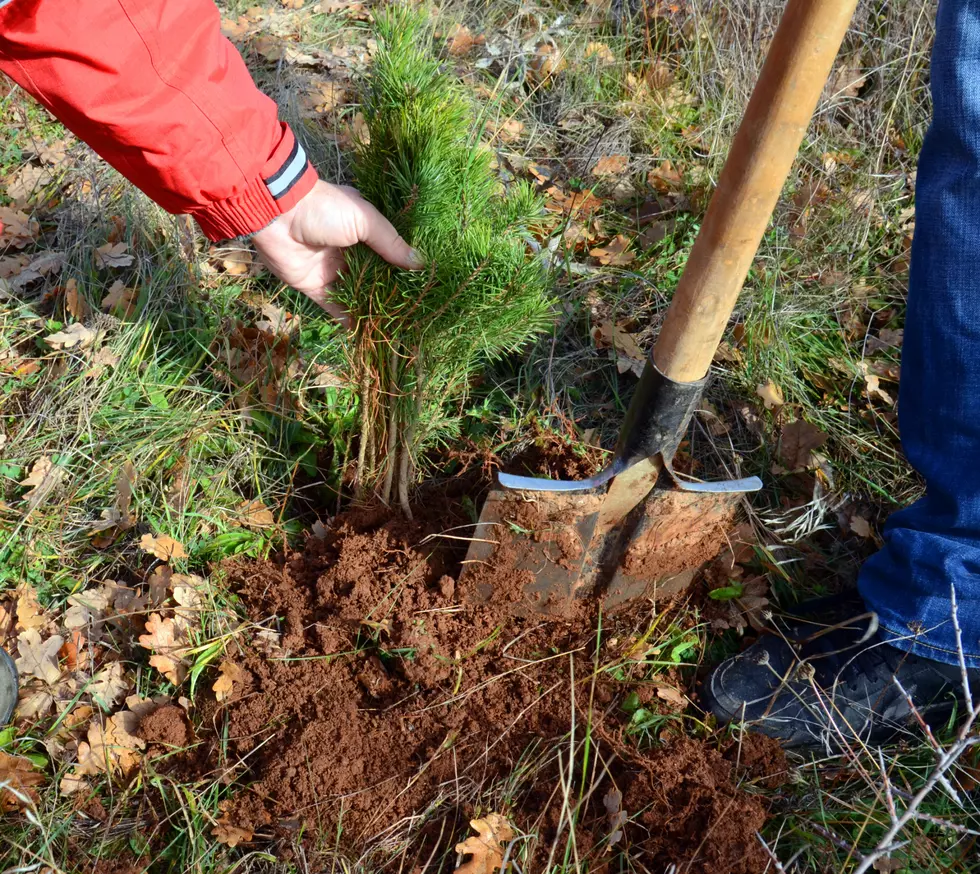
column 934, row 545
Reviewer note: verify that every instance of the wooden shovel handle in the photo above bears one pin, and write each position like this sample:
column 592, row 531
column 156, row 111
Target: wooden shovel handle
column 768, row 139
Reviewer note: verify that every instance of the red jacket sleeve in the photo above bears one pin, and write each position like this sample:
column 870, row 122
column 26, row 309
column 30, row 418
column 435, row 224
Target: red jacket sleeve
column 156, row 90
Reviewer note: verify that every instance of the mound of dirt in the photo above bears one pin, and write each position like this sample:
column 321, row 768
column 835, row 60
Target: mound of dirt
column 393, row 691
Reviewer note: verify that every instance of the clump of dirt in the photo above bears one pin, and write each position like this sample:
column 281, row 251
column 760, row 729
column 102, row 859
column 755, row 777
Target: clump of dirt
column 396, row 689
column 166, row 726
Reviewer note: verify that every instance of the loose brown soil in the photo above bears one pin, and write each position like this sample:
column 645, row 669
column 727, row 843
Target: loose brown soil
column 398, row 700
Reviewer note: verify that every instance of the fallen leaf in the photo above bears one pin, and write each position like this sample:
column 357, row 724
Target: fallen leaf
column 100, row 361
column 166, row 641
column 611, row 165
column 110, row 685
column 158, row 584
column 230, row 675
column 600, row 51
column 189, row 594
column 873, row 384
column 613, row 802
column 325, row 96
column 13, row 265
column 255, row 515
column 771, row 394
column 18, row 777
column 493, row 833
column 886, row 339
column 40, row 266
column 666, row 179
column 113, row 255
column 889, row 864
column 18, row 228
column 73, row 652
column 292, row 4
column 672, row 696
column 615, row 253
column 850, row 78
column 860, row 526
column 26, row 183
column 34, row 704
column 545, row 62
column 30, row 613
column 54, row 153
column 462, row 41
column 110, row 748
column 75, row 303
column 76, row 335
column 39, row 658
column 233, row 257
column 797, row 440
column 225, row 832
column 278, row 321
column 163, row 547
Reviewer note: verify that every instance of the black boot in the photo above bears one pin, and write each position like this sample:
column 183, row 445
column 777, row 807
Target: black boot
column 812, row 684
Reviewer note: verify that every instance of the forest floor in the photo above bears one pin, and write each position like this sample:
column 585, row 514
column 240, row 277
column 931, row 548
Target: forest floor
column 229, row 665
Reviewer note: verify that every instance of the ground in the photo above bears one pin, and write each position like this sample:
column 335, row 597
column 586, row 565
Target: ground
column 229, row 663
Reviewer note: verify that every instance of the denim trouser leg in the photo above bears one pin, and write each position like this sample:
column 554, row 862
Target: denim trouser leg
column 935, row 543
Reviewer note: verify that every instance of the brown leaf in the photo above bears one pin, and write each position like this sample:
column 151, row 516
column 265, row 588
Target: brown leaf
column 225, row 832
column 614, row 253
column 163, row 547
column 462, row 41
column 611, row 165
column 325, row 97
column 18, row 228
column 666, row 179
column 493, row 833
column 30, row 613
column 771, row 394
column 13, row 265
column 120, row 300
column 158, row 583
column 100, row 361
column 20, row 777
column 860, row 526
column 600, row 51
column 797, row 440
column 54, row 153
column 27, row 183
column 230, row 675
column 889, row 864
column 75, row 303
column 278, row 321
column 189, row 594
column 886, row 339
column 255, row 515
column 75, row 336
column 613, row 802
column 113, row 255
column 110, row 748
column 672, row 696
column 850, row 78
column 110, row 685
column 41, row 265
column 166, row 641
column 545, row 62
column 39, row 658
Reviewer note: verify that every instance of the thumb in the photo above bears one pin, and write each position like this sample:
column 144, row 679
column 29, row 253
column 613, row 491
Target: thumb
column 380, row 235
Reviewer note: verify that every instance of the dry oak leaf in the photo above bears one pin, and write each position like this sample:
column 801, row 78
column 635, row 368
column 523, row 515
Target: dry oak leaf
column 613, row 802
column 111, row 748
column 33, row 704
column 27, row 182
column 493, row 833
column 18, row 228
column 461, row 41
column 165, row 639
column 225, row 832
column 120, row 300
column 113, row 255
column 188, row 593
column 39, row 658
column 158, row 583
column 18, row 777
column 30, row 613
column 255, row 514
column 611, row 165
column 13, row 265
column 601, row 51
column 76, row 335
column 771, row 394
column 230, row 674
column 163, row 547
column 75, row 303
column 325, row 97
column 110, row 685
column 797, row 441
column 860, row 526
column 615, row 253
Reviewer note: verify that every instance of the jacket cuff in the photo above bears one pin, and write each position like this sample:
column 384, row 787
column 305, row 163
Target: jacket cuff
column 286, row 178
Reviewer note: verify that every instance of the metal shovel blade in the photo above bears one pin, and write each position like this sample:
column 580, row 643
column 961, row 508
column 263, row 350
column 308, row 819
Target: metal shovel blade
column 543, row 551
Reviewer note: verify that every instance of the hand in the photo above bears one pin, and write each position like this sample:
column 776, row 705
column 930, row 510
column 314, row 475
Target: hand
column 304, row 247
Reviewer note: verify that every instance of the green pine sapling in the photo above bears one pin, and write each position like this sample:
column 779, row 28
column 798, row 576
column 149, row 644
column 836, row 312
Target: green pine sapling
column 420, row 338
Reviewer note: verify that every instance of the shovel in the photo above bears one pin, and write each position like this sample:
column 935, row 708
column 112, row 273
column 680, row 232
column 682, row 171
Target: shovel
column 638, row 529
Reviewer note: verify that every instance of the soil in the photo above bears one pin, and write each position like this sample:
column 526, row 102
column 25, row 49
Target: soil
column 396, row 694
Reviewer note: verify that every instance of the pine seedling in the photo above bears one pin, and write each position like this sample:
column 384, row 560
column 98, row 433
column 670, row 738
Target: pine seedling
column 421, row 337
